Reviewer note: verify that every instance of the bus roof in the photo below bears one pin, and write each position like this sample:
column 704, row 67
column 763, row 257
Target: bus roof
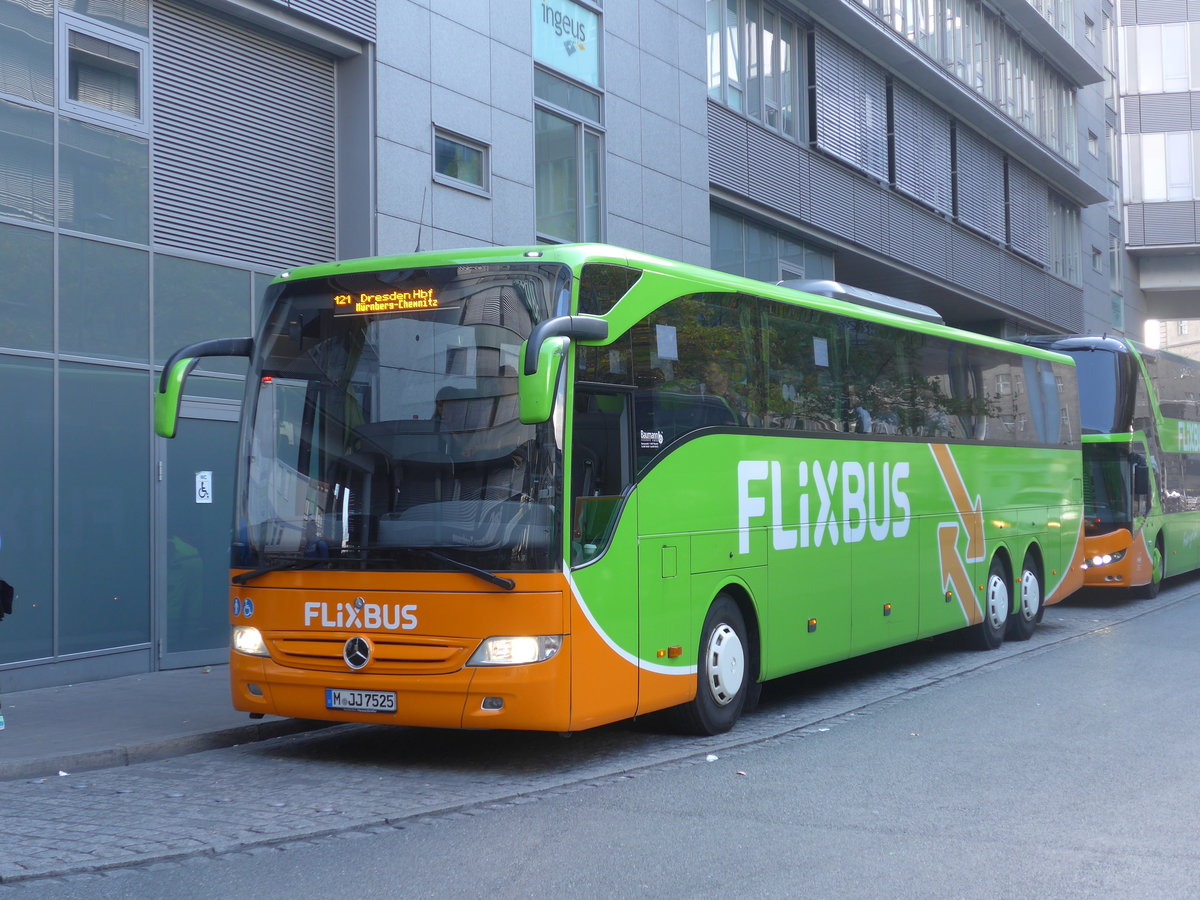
column 575, row 255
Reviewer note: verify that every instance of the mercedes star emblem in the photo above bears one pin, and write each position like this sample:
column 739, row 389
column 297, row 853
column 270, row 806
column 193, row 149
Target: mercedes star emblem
column 357, row 652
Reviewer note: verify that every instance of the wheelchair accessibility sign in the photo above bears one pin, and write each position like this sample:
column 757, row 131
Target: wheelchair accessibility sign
column 204, row 487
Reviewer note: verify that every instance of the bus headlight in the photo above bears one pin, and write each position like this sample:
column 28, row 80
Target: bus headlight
column 515, row 651
column 248, row 639
column 1105, row 559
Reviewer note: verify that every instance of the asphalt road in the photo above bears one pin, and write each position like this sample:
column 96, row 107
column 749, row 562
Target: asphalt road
column 1062, row 767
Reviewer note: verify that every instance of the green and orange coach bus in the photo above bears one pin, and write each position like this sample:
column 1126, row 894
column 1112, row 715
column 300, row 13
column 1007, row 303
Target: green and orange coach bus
column 560, row 486
column 1140, row 415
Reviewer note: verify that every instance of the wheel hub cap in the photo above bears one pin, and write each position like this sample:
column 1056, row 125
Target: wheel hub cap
column 725, row 664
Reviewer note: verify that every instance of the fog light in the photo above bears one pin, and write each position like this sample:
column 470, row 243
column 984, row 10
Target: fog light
column 249, row 640
column 515, row 651
column 493, row 703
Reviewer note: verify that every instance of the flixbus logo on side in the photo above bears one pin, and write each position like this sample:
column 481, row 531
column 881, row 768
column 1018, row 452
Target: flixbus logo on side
column 851, row 502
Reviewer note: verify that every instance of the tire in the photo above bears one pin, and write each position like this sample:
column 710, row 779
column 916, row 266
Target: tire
column 1022, row 623
column 997, row 602
column 723, row 672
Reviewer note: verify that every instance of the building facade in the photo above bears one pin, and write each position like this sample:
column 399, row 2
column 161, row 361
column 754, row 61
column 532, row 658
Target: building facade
column 160, row 160
column 1160, row 98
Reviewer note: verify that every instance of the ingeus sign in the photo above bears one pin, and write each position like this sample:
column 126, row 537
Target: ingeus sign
column 566, row 37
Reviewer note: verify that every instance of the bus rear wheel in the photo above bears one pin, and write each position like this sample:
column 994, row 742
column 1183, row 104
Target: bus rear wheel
column 723, row 672
column 1023, row 622
column 997, row 601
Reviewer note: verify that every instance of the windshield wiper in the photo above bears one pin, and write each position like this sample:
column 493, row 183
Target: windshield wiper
column 491, row 578
column 278, row 567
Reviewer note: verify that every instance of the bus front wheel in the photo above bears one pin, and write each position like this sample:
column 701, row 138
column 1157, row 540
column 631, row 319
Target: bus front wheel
column 997, row 601
column 723, row 672
column 1023, row 622
column 1158, row 558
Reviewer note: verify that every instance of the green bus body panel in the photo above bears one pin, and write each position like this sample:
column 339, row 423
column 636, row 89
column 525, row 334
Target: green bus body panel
column 687, row 545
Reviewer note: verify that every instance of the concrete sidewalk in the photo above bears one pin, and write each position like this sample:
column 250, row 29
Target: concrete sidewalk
column 120, row 721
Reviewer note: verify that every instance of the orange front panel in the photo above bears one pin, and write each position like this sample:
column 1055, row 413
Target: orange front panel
column 1136, row 568
column 422, row 629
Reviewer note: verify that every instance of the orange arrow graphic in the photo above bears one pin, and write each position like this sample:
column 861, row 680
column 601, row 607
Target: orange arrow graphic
column 971, row 512
column 954, row 573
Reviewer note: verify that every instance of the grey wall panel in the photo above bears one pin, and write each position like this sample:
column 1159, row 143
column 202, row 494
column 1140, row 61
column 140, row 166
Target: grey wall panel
column 1029, row 212
column 980, row 183
column 728, row 153
column 1155, row 12
column 975, row 264
column 1128, row 12
column 1169, row 223
column 1132, row 114
column 832, row 190
column 1135, row 223
column 244, row 156
column 868, row 208
column 851, row 105
column 1165, row 112
column 354, row 16
column 922, row 143
column 774, row 171
column 916, row 236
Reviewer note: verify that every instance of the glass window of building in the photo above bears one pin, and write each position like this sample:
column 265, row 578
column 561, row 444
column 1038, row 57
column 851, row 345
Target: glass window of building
column 1064, row 240
column 568, row 145
column 973, row 42
column 460, row 162
column 27, row 48
column 130, row 15
column 102, row 73
column 756, row 63
column 1161, row 167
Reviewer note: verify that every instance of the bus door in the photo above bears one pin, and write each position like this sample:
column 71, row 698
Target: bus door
column 194, row 510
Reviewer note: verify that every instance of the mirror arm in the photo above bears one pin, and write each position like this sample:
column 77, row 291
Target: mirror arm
column 582, row 328
column 218, row 347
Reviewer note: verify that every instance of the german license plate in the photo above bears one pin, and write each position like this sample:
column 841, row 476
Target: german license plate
column 360, row 701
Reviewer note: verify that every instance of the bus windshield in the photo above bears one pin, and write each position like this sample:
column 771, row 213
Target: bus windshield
column 382, row 430
column 1107, row 493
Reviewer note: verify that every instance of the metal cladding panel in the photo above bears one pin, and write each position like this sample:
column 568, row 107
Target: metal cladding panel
column 355, row 16
column 922, row 142
column 1158, row 12
column 1195, row 97
column 1128, row 12
column 728, row 153
column 1065, row 305
column 851, row 106
column 244, row 153
column 975, row 264
column 1170, row 223
column 832, row 191
column 1132, row 114
column 774, row 171
column 980, row 183
column 916, row 236
column 1030, row 212
column 868, row 214
column 1166, row 112
column 1135, row 222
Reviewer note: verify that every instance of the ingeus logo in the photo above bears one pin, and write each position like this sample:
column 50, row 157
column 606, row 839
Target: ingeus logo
column 851, row 501
column 389, row 616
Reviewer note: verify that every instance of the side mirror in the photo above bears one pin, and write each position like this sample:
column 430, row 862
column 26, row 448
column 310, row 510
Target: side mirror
column 175, row 372
column 1141, row 478
column 542, row 358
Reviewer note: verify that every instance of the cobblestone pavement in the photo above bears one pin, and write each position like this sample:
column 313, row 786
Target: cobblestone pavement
column 355, row 778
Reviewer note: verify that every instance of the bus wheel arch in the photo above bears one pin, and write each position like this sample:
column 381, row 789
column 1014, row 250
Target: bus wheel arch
column 1158, row 559
column 741, row 596
column 726, row 669
column 997, row 603
column 1030, row 596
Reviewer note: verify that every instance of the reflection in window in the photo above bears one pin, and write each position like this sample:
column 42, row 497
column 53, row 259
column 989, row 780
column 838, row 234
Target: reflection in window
column 27, row 49
column 26, row 163
column 567, row 176
column 460, row 159
column 104, row 182
column 104, row 75
column 27, row 300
